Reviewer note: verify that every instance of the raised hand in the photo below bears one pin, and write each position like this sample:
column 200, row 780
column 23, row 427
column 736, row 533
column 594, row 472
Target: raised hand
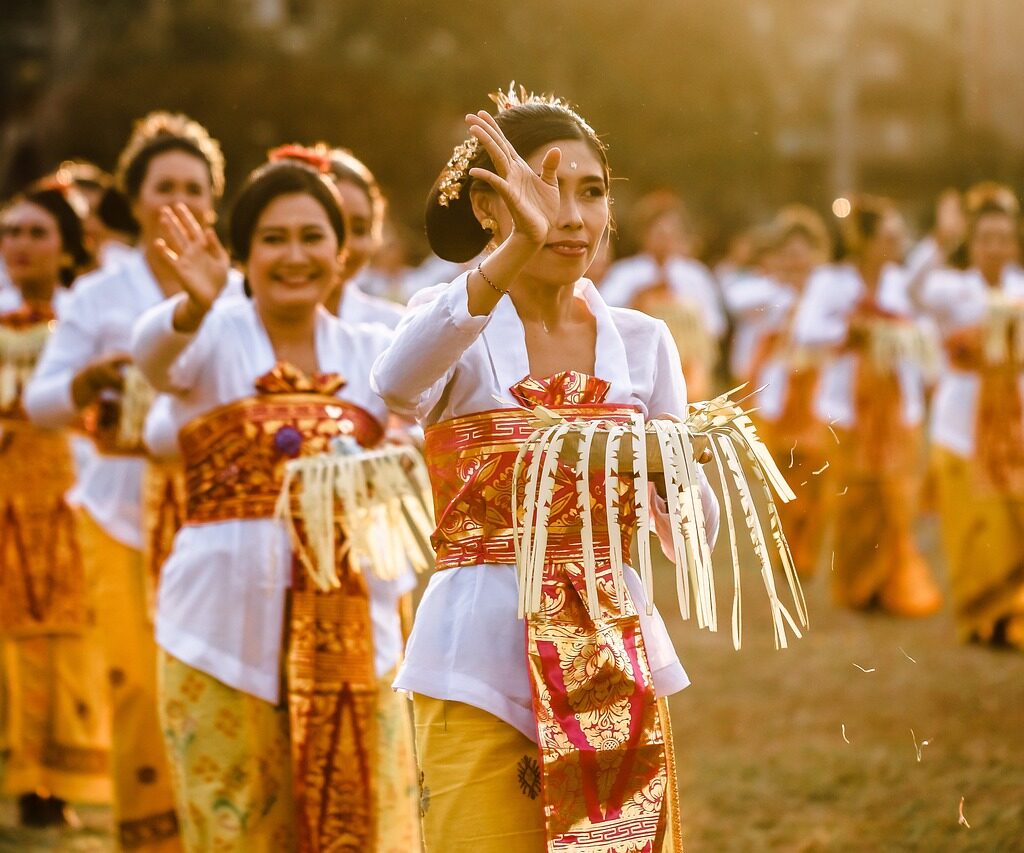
column 531, row 199
column 193, row 255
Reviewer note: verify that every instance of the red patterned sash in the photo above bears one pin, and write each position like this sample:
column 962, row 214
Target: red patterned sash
column 600, row 732
column 234, row 466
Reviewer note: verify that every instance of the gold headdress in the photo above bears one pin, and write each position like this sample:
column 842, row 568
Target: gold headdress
column 454, row 175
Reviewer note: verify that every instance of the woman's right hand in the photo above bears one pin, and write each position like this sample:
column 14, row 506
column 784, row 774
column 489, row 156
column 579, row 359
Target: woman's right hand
column 194, row 256
column 101, row 374
column 532, row 199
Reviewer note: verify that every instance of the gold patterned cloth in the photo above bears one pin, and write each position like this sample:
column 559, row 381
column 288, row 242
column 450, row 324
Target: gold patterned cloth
column 600, row 731
column 234, row 460
column 42, row 583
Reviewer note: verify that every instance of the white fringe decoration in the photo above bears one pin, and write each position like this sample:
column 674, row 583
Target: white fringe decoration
column 1004, row 330
column 382, row 498
column 137, row 397
column 19, row 352
column 636, row 450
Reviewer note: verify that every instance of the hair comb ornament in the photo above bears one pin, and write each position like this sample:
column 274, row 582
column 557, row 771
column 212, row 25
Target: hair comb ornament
column 455, row 172
column 316, row 157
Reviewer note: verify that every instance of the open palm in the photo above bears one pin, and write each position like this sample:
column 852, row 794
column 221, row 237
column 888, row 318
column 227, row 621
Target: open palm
column 193, row 254
column 532, row 199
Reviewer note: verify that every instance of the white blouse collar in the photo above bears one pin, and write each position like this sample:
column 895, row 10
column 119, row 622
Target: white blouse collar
column 505, row 339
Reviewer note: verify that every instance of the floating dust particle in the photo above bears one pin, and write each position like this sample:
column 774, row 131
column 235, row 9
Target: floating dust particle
column 843, row 492
column 832, row 568
column 919, row 748
column 963, row 821
column 844, row 733
column 908, row 657
column 821, row 470
column 862, row 668
column 792, row 450
column 836, row 437
column 804, row 483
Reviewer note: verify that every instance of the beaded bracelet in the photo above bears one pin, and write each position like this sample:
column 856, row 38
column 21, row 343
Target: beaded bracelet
column 483, row 275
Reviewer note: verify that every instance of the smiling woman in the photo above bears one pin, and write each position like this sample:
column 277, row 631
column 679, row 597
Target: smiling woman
column 254, row 383
column 552, row 734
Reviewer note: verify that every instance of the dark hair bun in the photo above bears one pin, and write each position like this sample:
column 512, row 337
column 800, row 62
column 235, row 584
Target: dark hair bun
column 454, row 232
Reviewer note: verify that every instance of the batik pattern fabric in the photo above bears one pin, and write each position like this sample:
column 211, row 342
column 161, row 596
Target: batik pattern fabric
column 601, row 734
column 234, row 460
column 42, row 584
column 163, row 513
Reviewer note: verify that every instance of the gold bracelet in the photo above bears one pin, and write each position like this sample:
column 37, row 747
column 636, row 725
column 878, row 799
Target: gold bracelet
column 483, row 275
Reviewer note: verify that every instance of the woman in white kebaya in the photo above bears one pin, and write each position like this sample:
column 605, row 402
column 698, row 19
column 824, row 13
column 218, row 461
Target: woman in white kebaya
column 86, row 373
column 785, row 375
column 320, row 758
column 871, row 393
column 977, row 424
column 524, row 328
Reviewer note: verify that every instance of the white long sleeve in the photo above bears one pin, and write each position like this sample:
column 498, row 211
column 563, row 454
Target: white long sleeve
column 438, row 328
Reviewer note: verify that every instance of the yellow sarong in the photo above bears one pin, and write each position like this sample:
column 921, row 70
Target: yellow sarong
column 983, row 537
column 55, row 720
column 117, row 592
column 230, row 756
column 480, row 782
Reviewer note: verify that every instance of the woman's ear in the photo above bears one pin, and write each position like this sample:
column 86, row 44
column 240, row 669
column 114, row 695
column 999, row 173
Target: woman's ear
column 485, row 208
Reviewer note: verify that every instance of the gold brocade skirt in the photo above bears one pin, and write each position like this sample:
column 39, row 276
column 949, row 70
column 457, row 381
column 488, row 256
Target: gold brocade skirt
column 480, row 782
column 230, row 758
column 983, row 538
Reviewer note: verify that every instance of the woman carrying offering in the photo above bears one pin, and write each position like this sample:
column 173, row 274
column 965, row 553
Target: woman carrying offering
column 554, row 734
column 54, row 718
column 86, row 372
column 859, row 315
column 978, row 419
column 270, row 689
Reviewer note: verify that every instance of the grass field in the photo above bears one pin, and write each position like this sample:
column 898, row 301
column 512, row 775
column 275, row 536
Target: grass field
column 763, row 760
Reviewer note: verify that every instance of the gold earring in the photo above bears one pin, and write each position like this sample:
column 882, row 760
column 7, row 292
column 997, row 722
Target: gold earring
column 489, row 225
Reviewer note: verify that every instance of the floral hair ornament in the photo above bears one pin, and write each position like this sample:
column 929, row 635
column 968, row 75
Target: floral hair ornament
column 455, row 172
column 62, row 181
column 316, row 157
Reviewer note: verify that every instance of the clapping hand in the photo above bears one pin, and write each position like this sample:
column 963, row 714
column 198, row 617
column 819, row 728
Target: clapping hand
column 532, row 199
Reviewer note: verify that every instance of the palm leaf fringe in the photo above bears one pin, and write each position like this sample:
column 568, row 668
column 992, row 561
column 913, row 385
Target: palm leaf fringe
column 735, row 449
column 379, row 498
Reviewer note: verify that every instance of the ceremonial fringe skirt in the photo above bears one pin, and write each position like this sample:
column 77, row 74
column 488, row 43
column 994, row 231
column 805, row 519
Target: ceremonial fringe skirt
column 983, row 537
column 480, row 782
column 230, row 757
column 54, row 718
column 117, row 591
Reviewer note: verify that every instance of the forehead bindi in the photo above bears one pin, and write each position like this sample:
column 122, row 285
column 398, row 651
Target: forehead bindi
column 579, row 162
